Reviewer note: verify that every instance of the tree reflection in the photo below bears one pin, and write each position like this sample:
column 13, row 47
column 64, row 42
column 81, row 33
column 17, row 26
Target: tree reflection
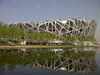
column 70, row 60
column 2, row 68
column 11, row 67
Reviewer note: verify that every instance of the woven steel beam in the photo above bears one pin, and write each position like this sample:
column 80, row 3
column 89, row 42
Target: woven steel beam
column 73, row 26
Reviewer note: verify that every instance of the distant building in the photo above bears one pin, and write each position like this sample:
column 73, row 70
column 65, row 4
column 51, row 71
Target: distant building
column 99, row 42
column 23, row 43
column 55, row 41
column 87, row 43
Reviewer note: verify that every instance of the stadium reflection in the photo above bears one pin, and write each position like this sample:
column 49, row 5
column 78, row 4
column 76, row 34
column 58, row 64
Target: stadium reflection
column 76, row 60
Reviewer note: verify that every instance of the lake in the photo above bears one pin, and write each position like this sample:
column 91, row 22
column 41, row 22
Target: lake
column 71, row 61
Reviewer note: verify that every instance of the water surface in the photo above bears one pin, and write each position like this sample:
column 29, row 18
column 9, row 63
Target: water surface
column 74, row 61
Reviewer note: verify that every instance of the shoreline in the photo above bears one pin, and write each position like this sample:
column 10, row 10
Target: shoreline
column 38, row 46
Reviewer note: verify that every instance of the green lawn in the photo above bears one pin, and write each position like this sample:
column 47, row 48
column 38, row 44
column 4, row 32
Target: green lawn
column 14, row 47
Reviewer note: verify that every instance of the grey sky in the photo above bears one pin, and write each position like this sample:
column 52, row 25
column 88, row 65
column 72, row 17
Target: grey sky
column 38, row 10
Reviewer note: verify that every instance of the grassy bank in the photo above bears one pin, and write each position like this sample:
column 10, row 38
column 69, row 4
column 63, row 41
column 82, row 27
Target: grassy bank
column 17, row 47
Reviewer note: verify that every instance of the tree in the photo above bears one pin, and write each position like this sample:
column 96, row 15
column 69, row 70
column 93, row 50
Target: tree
column 14, row 31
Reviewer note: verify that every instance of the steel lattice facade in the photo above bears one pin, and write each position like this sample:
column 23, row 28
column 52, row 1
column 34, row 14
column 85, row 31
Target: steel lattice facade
column 73, row 26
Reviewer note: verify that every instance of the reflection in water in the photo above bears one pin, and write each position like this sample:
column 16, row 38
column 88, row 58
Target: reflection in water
column 69, row 60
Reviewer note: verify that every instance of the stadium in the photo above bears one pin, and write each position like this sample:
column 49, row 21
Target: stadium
column 68, row 30
column 78, row 26
column 73, row 26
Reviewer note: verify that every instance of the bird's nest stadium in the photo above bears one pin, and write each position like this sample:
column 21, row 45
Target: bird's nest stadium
column 73, row 26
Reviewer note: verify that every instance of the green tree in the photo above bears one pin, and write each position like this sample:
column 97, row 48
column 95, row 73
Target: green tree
column 15, row 32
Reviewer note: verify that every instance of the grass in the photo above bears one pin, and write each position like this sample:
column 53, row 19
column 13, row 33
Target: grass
column 6, row 45
column 17, row 47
